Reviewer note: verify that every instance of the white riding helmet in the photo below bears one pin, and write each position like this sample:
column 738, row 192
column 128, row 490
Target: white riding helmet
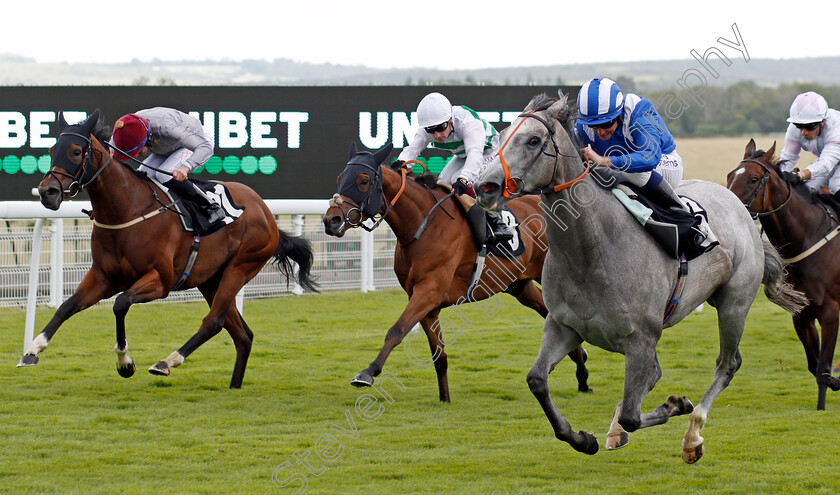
column 433, row 109
column 808, row 108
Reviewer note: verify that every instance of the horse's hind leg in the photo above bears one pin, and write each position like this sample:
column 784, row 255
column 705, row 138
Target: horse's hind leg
column 529, row 295
column 557, row 342
column 731, row 318
column 93, row 288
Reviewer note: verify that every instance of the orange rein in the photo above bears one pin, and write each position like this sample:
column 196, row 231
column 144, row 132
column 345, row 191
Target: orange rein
column 506, row 192
column 405, row 168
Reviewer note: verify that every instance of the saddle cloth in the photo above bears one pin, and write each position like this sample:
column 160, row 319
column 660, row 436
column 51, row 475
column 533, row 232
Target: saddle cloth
column 677, row 231
column 481, row 232
column 194, row 217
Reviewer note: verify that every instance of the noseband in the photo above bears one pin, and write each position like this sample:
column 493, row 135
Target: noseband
column 79, row 183
column 514, row 185
column 762, row 189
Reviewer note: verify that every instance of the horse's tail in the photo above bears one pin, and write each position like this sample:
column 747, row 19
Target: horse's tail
column 777, row 289
column 297, row 249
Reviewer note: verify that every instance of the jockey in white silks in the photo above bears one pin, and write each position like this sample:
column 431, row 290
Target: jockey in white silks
column 473, row 142
column 627, row 135
column 816, row 128
column 171, row 141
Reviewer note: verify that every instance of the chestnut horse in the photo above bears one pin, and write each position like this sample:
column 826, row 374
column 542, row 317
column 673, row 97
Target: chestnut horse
column 796, row 223
column 140, row 248
column 435, row 268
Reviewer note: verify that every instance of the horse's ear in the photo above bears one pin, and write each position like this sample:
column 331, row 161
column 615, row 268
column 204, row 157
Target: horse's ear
column 750, row 149
column 562, row 110
column 382, row 153
column 62, row 123
column 353, row 149
column 770, row 152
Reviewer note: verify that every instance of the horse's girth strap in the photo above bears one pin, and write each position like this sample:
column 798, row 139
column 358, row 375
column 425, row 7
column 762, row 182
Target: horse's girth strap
column 132, row 222
column 808, row 252
column 190, row 263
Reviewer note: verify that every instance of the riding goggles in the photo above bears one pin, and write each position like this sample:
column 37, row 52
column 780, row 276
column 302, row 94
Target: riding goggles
column 437, row 128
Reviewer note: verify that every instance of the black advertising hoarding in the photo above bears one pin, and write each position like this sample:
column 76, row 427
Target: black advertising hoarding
column 285, row 142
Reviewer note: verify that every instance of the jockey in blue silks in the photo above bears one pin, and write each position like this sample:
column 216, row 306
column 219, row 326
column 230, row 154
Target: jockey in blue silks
column 625, row 134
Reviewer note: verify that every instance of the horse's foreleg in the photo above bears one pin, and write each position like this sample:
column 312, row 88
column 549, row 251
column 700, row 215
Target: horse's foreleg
column 806, row 330
column 828, row 315
column 148, row 288
column 557, row 342
column 423, row 300
column 93, row 288
column 529, row 295
column 431, row 325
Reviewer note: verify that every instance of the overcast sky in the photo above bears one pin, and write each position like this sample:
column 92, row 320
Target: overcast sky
column 413, row 33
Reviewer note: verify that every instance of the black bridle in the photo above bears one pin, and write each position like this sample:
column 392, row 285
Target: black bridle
column 761, row 188
column 86, row 173
column 364, row 204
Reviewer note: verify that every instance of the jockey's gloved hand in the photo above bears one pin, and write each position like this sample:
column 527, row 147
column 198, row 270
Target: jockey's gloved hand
column 460, row 186
column 791, row 178
column 397, row 165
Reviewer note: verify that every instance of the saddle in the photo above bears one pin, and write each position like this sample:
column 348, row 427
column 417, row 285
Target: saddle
column 679, row 232
column 194, row 217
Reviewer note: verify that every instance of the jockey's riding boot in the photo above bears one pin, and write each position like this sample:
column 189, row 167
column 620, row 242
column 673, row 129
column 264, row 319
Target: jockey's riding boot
column 187, row 189
column 663, row 194
column 499, row 230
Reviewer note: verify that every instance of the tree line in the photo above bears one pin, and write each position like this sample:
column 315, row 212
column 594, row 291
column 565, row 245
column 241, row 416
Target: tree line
column 740, row 109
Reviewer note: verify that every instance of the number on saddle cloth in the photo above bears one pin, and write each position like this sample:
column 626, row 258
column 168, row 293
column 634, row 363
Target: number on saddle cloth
column 477, row 218
column 194, row 215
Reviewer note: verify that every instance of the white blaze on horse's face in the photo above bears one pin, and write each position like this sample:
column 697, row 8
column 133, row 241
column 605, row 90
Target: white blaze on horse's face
column 735, row 176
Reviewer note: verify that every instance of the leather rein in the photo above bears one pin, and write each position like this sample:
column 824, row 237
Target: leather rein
column 515, row 185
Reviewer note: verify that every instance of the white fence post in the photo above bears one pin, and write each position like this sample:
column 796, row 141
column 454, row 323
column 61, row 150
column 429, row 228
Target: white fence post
column 367, row 261
column 32, row 293
column 57, row 263
column 298, row 223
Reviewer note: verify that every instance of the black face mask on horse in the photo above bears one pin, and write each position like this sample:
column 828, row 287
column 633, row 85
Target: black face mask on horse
column 365, row 193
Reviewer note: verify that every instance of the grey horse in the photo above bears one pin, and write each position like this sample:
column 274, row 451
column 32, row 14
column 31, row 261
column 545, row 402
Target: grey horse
column 606, row 282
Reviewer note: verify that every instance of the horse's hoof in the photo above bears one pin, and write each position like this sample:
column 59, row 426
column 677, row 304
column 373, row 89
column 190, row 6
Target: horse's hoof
column 127, row 370
column 585, row 389
column 363, row 379
column 28, row 360
column 159, row 368
column 590, row 443
column 680, row 405
column 617, row 440
column 690, row 456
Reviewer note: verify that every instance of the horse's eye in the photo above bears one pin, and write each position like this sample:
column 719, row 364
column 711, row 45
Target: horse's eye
column 365, row 182
column 753, row 180
column 77, row 152
column 534, row 141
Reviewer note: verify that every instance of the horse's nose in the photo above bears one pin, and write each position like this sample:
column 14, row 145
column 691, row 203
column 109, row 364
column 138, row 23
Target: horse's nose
column 490, row 188
column 332, row 225
column 50, row 197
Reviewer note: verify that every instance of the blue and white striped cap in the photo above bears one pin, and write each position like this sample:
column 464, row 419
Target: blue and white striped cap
column 599, row 101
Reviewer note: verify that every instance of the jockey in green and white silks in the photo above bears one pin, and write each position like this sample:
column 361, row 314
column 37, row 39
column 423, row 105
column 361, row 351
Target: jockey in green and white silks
column 625, row 134
column 473, row 142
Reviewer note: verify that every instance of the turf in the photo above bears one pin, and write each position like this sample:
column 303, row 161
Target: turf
column 72, row 425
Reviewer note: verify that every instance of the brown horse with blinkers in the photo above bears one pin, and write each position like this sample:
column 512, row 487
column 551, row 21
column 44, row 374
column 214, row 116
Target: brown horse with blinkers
column 140, row 248
column 798, row 225
column 436, row 254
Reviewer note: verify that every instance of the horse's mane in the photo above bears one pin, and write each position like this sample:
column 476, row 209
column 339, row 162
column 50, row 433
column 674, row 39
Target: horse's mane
column 429, row 181
column 800, row 188
column 567, row 115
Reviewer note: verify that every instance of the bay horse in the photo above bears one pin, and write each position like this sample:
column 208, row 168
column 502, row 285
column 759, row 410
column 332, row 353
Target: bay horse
column 797, row 224
column 140, row 248
column 607, row 282
column 435, row 269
